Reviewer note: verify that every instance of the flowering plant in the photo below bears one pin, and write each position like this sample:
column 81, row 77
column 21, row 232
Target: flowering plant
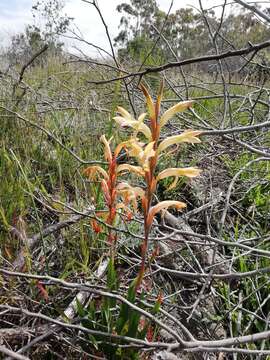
column 120, row 194
column 146, row 147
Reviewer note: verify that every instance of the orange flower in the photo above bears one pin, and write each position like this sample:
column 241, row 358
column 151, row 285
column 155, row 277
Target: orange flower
column 155, row 253
column 150, row 334
column 129, row 216
column 112, row 238
column 43, row 291
column 160, row 298
column 95, row 226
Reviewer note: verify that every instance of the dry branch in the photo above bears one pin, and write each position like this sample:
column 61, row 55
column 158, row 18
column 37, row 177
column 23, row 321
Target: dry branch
column 12, row 354
column 195, row 60
column 254, row 9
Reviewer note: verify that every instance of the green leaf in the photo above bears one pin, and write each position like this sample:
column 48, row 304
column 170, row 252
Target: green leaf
column 93, row 341
column 124, row 314
column 112, row 282
column 80, row 309
column 156, row 307
column 133, row 323
column 143, row 332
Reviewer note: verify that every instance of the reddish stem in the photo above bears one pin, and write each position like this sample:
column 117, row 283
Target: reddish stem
column 151, row 185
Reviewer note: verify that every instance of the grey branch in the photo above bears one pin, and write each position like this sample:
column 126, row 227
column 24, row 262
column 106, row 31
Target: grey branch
column 254, row 9
column 198, row 59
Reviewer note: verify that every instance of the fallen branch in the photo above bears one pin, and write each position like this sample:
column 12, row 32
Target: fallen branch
column 82, row 297
column 13, row 354
column 10, row 335
column 223, row 277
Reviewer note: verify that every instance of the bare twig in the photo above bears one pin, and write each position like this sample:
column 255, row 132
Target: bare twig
column 12, row 354
column 228, row 195
column 254, row 9
column 199, row 59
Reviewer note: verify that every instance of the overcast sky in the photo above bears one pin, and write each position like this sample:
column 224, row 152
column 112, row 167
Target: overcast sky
column 15, row 14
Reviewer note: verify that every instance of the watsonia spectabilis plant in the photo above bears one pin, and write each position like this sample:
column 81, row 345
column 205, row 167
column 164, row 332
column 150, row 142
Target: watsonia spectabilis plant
column 146, row 147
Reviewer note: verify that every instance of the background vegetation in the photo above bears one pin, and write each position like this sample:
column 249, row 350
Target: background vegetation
column 205, row 294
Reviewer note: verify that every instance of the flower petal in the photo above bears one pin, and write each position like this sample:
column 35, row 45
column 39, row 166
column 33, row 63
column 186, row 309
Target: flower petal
column 189, row 172
column 148, row 151
column 135, row 147
column 124, row 113
column 106, row 192
column 163, row 205
column 107, row 149
column 92, row 172
column 176, row 172
column 181, row 106
column 173, row 184
column 119, row 147
column 130, row 194
column 131, row 168
column 141, row 127
column 137, row 191
column 141, row 153
column 188, row 136
column 137, row 125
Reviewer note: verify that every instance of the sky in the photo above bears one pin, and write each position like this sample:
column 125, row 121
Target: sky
column 15, row 14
